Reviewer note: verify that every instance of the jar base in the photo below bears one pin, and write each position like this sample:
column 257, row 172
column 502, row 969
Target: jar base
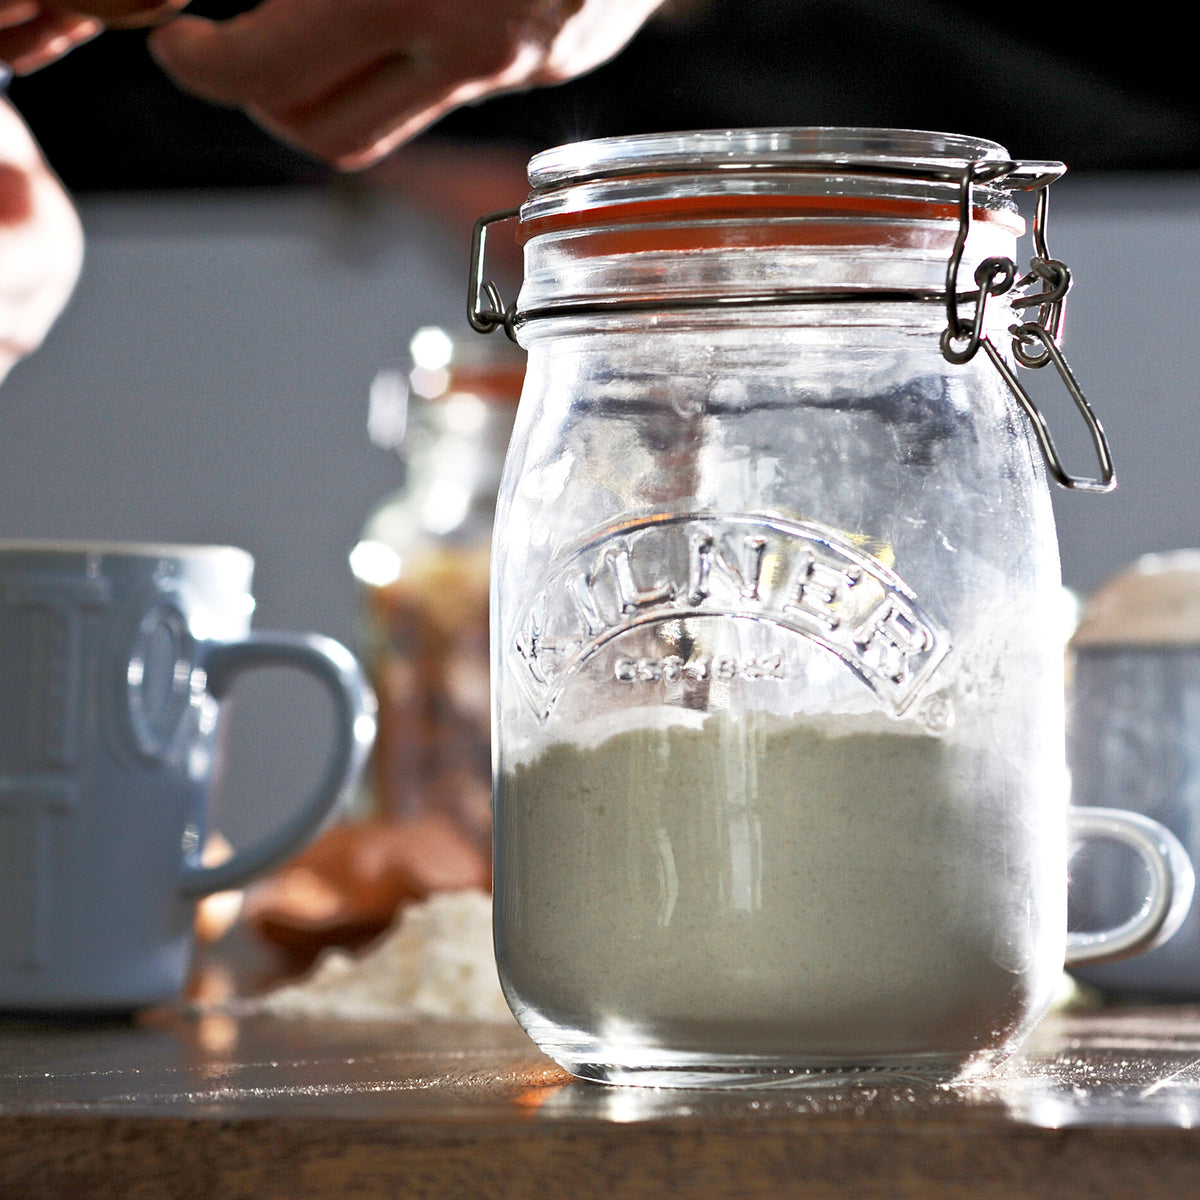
column 694, row 1071
column 785, row 1054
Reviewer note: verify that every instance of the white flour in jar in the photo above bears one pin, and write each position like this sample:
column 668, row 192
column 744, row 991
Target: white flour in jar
column 839, row 888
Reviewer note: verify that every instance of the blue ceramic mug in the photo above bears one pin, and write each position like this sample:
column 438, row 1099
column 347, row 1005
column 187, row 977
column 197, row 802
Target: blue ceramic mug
column 113, row 663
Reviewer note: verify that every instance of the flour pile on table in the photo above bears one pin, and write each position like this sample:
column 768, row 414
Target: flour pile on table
column 437, row 962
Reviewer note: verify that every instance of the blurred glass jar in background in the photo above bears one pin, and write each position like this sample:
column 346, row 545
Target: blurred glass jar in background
column 422, row 564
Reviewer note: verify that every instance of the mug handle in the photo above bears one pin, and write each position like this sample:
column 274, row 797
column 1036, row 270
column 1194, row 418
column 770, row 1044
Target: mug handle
column 354, row 712
column 1168, row 898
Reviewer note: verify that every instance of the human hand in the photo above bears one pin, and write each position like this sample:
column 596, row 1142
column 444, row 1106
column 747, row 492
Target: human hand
column 33, row 33
column 41, row 243
column 349, row 80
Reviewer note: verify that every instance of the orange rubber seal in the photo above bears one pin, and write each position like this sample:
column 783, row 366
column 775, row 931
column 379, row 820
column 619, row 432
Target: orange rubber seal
column 748, row 221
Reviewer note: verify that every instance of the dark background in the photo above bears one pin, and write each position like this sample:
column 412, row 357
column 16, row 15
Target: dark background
column 1048, row 82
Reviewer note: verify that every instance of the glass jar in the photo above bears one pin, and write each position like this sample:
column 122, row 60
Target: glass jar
column 422, row 564
column 778, row 692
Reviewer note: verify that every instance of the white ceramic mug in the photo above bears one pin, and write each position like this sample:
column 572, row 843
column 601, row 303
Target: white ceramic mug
column 113, row 662
column 1134, row 741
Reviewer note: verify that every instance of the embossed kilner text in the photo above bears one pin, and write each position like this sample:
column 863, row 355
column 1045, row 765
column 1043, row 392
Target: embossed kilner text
column 796, row 575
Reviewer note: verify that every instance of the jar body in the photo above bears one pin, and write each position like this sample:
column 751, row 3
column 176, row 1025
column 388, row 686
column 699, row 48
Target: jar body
column 779, row 782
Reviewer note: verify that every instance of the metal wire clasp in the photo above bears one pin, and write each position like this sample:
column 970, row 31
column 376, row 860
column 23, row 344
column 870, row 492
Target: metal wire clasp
column 1034, row 343
column 495, row 315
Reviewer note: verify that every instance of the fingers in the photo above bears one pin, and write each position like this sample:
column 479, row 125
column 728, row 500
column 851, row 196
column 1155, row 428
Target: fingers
column 347, row 80
column 29, row 41
column 128, row 14
column 392, row 101
column 283, row 52
column 17, row 12
column 358, row 122
column 594, row 33
column 35, row 33
column 41, row 243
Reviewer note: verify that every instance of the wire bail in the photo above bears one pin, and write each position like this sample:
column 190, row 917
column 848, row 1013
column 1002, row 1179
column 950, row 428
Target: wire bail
column 1044, row 332
column 1035, row 343
column 496, row 315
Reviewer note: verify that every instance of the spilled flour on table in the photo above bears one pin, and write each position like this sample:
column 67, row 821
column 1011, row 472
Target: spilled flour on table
column 437, row 962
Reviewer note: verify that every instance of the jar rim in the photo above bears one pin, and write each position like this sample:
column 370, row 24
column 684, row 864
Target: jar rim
column 914, row 151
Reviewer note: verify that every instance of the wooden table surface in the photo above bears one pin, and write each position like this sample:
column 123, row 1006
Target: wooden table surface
column 1101, row 1105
